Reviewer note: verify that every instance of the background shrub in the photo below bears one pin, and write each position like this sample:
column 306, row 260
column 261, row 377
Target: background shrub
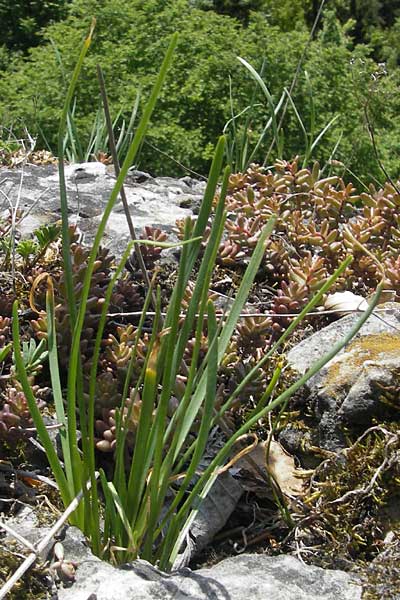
column 131, row 36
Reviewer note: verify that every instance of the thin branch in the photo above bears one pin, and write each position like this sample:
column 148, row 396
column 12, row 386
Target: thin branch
column 14, row 215
column 18, row 537
column 175, row 161
column 388, row 461
column 249, row 315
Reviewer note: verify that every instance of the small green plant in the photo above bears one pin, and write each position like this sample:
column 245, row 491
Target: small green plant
column 244, row 144
column 75, row 148
column 33, row 250
column 5, row 351
column 27, row 249
column 46, row 235
column 9, row 147
column 33, row 355
column 152, row 499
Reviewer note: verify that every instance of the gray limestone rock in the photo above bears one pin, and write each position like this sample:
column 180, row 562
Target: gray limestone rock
column 308, row 351
column 152, row 201
column 251, row 576
column 351, row 388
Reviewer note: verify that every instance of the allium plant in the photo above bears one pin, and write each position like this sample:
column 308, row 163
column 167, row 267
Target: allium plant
column 148, row 505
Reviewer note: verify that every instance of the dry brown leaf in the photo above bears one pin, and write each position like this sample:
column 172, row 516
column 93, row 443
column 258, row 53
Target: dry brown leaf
column 280, row 466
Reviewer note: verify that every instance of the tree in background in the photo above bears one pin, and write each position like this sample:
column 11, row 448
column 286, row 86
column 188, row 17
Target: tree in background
column 238, row 9
column 369, row 16
column 285, row 14
column 129, row 39
column 132, row 35
column 22, row 21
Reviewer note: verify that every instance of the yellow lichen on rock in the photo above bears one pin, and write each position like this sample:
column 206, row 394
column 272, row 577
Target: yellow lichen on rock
column 375, row 348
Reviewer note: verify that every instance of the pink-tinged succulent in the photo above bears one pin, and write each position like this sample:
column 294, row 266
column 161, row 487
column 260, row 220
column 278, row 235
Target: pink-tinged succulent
column 15, row 418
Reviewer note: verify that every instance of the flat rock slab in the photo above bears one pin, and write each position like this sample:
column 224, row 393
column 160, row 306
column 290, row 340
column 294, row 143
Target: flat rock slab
column 248, row 576
column 152, row 201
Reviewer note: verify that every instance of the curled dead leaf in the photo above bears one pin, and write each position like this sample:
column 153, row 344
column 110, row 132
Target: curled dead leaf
column 255, row 470
column 282, row 467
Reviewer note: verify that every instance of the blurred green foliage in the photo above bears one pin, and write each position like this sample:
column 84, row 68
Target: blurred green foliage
column 131, row 37
column 22, row 21
column 368, row 16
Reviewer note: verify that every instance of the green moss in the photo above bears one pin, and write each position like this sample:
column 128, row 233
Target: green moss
column 32, row 585
column 351, row 517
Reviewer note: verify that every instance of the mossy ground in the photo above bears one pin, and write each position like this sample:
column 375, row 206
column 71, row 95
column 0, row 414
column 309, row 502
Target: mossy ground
column 34, row 585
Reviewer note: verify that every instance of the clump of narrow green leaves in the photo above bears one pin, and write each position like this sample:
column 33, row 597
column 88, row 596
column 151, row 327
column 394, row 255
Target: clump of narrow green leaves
column 32, row 250
column 244, row 144
column 148, row 507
